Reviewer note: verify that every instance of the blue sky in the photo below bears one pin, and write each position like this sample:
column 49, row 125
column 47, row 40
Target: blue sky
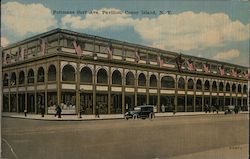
column 211, row 29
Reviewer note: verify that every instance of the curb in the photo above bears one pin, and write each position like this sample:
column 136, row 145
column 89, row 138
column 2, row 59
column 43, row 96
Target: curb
column 112, row 118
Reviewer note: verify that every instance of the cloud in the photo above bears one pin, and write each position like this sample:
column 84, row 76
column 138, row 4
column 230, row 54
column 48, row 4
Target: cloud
column 24, row 18
column 177, row 32
column 187, row 31
column 227, row 55
column 4, row 41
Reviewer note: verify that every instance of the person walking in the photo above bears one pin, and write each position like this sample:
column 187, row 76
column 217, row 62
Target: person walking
column 25, row 113
column 58, row 111
column 42, row 109
column 173, row 109
column 162, row 108
column 81, row 111
column 97, row 111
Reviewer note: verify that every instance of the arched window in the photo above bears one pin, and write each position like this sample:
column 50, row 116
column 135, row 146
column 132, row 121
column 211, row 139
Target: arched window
column 102, row 76
column 221, row 86
column 239, row 88
column 214, row 86
column 30, row 76
column 21, row 77
column 130, row 78
column 167, row 82
column 86, row 75
column 142, row 80
column 181, row 83
column 117, row 77
column 245, row 89
column 13, row 79
column 40, row 75
column 198, row 85
column 52, row 73
column 207, row 85
column 227, row 87
column 153, row 81
column 68, row 73
column 5, row 79
column 190, row 84
column 233, row 88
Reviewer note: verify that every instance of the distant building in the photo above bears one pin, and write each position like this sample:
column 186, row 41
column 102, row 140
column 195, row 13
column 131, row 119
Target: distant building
column 77, row 71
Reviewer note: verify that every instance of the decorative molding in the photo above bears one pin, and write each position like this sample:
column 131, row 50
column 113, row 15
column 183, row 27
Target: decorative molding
column 153, row 91
column 141, row 90
column 86, row 87
column 69, row 86
column 167, row 91
column 129, row 90
column 102, row 88
column 116, row 89
column 51, row 86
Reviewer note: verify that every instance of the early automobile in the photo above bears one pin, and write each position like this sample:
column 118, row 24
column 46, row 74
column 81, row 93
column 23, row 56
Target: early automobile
column 143, row 111
column 230, row 109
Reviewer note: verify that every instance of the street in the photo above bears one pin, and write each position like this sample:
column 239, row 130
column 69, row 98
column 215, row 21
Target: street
column 160, row 138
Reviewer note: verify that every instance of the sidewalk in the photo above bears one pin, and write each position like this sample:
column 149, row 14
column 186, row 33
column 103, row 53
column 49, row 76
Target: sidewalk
column 102, row 117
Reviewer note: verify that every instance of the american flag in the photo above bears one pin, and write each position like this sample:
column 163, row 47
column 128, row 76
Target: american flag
column 110, row 52
column 160, row 60
column 8, row 58
column 137, row 56
column 179, row 62
column 206, row 67
column 221, row 70
column 77, row 48
column 190, row 65
column 234, row 72
column 246, row 75
column 43, row 45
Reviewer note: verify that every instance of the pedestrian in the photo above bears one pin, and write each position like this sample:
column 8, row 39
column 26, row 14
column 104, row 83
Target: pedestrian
column 206, row 108
column 58, row 111
column 173, row 110
column 81, row 111
column 97, row 111
column 162, row 108
column 42, row 109
column 25, row 112
column 126, row 107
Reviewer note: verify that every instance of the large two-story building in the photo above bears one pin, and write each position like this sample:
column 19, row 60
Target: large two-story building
column 77, row 71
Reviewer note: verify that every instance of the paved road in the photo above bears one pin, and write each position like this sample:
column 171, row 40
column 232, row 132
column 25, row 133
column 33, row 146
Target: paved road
column 161, row 138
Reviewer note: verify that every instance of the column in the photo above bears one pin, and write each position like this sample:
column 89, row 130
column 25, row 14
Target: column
column 202, row 100
column 186, row 88
column 78, row 89
column 123, row 90
column 136, row 87
column 46, row 89
column 109, row 89
column 194, row 100
column 35, row 96
column 94, row 88
column 17, row 92
column 58, row 79
column 158, row 92
column 176, row 93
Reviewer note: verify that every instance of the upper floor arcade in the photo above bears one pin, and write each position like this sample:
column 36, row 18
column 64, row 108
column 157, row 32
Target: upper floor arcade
column 93, row 48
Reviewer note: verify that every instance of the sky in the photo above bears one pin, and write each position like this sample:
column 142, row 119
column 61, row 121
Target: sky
column 217, row 30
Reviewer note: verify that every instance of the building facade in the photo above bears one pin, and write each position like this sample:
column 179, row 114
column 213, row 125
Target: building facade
column 78, row 71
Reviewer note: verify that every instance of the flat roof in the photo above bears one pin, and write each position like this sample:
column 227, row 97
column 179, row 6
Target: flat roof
column 59, row 30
